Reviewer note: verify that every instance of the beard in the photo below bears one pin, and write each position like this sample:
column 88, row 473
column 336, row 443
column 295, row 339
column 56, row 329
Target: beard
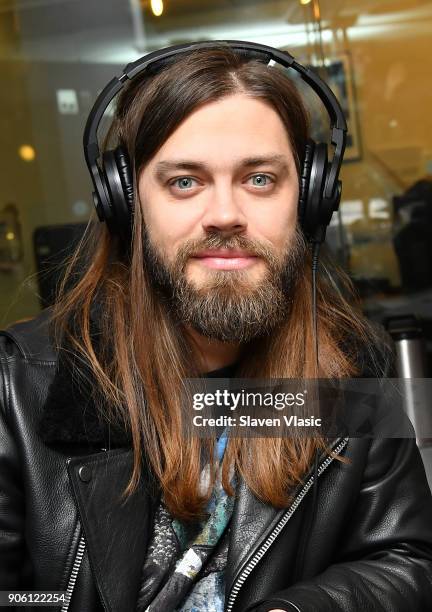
column 228, row 305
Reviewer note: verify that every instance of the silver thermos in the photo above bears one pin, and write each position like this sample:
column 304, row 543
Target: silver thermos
column 412, row 369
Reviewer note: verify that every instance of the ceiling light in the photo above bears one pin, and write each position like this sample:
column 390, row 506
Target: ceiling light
column 26, row 152
column 305, row 1
column 157, row 7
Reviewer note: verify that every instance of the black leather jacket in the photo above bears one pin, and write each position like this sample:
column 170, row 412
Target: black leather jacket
column 367, row 546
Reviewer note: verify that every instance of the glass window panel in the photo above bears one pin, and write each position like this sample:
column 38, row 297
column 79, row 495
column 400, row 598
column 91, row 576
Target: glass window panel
column 56, row 55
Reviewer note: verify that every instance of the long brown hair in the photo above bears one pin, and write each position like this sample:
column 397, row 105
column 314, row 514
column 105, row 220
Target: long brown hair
column 142, row 357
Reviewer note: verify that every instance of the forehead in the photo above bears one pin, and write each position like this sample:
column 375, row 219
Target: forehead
column 235, row 126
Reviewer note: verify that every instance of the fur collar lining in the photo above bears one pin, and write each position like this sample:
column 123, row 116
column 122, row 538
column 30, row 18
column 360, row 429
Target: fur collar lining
column 70, row 415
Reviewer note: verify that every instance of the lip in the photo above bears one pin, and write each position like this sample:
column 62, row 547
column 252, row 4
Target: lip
column 225, row 259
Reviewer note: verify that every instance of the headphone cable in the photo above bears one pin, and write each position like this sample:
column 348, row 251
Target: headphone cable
column 315, row 255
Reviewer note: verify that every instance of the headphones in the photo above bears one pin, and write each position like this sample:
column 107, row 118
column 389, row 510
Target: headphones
column 320, row 189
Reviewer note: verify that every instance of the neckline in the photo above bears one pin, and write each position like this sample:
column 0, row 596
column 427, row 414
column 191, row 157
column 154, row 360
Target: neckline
column 223, row 372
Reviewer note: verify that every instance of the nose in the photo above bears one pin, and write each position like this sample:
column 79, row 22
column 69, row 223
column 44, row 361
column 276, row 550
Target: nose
column 223, row 212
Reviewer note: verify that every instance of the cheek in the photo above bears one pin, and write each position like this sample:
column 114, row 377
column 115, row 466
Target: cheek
column 278, row 223
column 152, row 217
column 168, row 224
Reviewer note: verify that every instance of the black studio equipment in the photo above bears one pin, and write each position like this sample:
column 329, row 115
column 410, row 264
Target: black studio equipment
column 112, row 177
column 412, row 243
column 52, row 244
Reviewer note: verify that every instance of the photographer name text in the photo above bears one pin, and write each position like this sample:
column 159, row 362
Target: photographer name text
column 248, row 421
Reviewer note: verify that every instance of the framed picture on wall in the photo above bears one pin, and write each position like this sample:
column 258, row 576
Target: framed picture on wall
column 338, row 75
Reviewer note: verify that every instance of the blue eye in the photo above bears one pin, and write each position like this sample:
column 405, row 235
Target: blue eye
column 185, row 182
column 261, row 180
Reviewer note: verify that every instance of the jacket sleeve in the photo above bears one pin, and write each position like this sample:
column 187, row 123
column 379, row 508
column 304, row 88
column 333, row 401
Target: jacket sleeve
column 11, row 496
column 384, row 560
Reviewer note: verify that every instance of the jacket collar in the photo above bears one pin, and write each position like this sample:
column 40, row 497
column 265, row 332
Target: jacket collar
column 70, row 414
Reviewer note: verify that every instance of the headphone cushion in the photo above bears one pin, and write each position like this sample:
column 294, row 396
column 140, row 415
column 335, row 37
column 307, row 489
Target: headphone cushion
column 314, row 219
column 119, row 188
column 125, row 173
column 305, row 180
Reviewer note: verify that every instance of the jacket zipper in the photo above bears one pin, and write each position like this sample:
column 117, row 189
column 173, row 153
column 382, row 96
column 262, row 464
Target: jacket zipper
column 74, row 574
column 278, row 528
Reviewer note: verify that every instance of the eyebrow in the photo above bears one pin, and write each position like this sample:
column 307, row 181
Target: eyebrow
column 166, row 166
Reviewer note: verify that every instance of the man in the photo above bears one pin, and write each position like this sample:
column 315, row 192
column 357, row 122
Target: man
column 101, row 495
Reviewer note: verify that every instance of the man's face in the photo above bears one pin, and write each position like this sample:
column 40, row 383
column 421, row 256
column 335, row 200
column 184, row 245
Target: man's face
column 219, row 201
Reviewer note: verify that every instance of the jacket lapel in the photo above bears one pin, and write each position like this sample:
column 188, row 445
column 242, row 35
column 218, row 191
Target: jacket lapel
column 253, row 521
column 250, row 523
column 115, row 530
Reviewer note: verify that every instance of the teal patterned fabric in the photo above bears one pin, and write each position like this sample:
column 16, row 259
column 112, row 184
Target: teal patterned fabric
column 185, row 566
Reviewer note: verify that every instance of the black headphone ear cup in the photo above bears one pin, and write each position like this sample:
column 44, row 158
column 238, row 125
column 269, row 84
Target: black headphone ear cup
column 101, row 197
column 304, row 180
column 120, row 188
column 313, row 211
